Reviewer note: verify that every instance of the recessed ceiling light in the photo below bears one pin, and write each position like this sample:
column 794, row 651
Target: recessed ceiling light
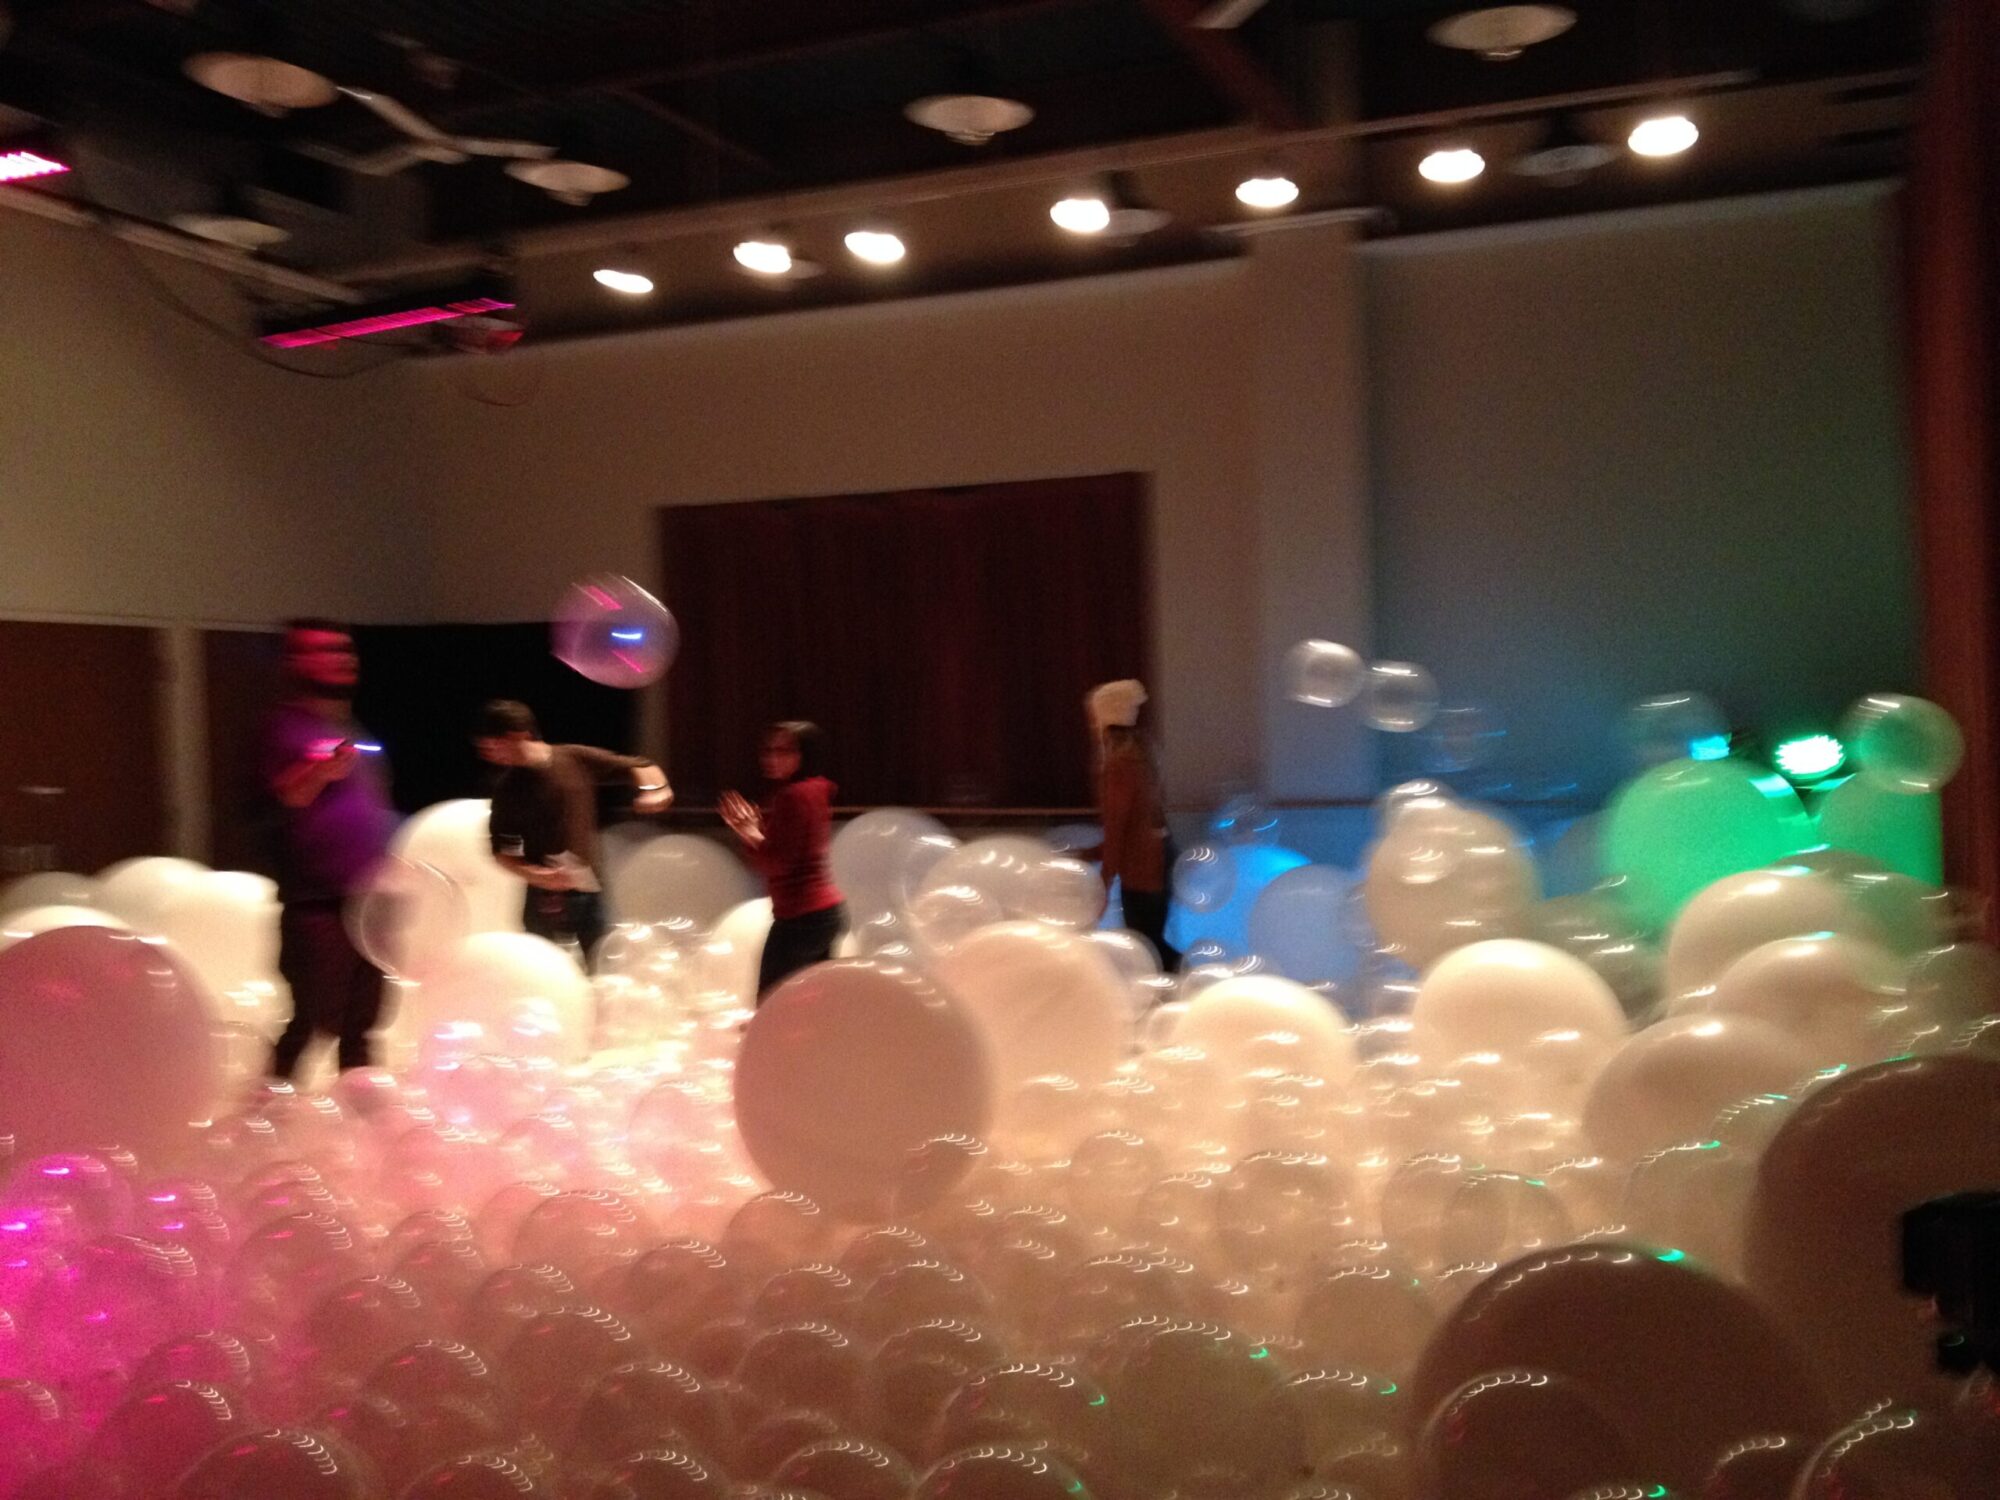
column 239, row 231
column 1452, row 165
column 1269, row 188
column 1083, row 213
column 631, row 283
column 877, row 246
column 566, row 181
column 766, row 256
column 1565, row 157
column 1663, row 135
column 1500, row 33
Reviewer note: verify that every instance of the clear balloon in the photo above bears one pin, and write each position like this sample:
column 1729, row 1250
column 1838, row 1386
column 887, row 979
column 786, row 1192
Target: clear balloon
column 455, row 838
column 1324, row 674
column 612, row 631
column 1401, row 697
column 846, row 1070
column 1737, row 913
column 27, row 921
column 137, row 891
column 1463, row 738
column 1676, row 726
column 1673, row 830
column 508, row 994
column 1905, row 744
column 1204, row 877
column 1243, row 819
column 1443, row 875
column 1299, row 925
column 48, row 888
column 1501, row 994
column 880, row 858
column 1900, row 830
column 682, row 880
column 406, row 918
column 1665, row 1084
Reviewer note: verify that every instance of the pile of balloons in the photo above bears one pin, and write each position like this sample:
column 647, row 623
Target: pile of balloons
column 1587, row 1196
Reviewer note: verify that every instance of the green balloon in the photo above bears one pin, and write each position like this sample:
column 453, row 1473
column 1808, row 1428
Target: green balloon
column 1684, row 825
column 1904, row 830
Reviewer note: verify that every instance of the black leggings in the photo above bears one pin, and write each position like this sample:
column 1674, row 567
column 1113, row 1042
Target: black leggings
column 796, row 943
column 1146, row 914
column 335, row 991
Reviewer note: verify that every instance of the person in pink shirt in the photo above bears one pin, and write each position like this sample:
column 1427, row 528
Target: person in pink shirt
column 788, row 839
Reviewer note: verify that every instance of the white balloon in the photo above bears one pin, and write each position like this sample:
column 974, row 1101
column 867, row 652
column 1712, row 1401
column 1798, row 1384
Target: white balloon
column 1740, row 912
column 1829, row 991
column 225, row 925
column 680, row 878
column 1502, row 994
column 49, row 888
column 1045, row 1001
column 505, row 993
column 1232, row 1019
column 137, row 890
column 880, row 858
column 1002, row 868
column 735, row 947
column 455, row 837
column 1444, row 876
column 1667, row 1083
column 846, row 1070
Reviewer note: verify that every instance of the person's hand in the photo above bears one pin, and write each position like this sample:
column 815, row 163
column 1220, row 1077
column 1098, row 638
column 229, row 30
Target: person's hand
column 654, row 801
column 743, row 819
column 340, row 761
column 545, row 877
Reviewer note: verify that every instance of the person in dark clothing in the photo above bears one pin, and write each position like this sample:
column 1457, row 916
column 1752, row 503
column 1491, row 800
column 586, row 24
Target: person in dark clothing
column 332, row 823
column 1135, row 849
column 544, row 822
column 788, row 840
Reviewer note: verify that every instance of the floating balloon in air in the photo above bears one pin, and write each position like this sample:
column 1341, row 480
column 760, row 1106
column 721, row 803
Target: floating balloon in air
column 1324, row 674
column 614, row 632
column 1906, row 744
column 1402, row 697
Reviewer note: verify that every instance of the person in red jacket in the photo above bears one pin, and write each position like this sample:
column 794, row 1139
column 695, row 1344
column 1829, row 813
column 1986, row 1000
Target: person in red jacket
column 788, row 840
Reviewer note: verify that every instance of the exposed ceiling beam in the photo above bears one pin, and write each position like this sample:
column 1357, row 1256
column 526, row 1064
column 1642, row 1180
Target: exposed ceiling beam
column 1229, row 64
column 694, row 129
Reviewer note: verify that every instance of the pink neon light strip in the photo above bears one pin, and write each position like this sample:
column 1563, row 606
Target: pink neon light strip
column 361, row 328
column 19, row 166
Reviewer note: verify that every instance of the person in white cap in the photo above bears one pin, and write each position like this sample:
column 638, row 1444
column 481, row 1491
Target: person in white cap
column 1135, row 844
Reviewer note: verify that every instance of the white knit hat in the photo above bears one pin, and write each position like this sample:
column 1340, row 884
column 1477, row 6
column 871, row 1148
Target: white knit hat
column 1116, row 704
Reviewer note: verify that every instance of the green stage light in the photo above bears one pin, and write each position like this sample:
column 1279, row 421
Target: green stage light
column 1809, row 757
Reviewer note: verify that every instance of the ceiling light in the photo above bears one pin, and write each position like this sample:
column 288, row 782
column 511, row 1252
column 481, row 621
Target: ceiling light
column 1663, row 135
column 877, row 246
column 1085, row 213
column 268, row 85
column 1565, row 157
column 1501, row 33
column 630, row 283
column 567, row 181
column 1269, row 188
column 969, row 119
column 238, row 231
column 765, row 256
column 1452, row 165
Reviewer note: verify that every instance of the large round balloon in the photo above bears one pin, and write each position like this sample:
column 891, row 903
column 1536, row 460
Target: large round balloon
column 614, row 632
column 455, row 838
column 1668, row 1082
column 735, row 948
column 1824, row 1241
column 26, row 922
column 104, row 1038
column 880, row 858
column 847, row 1069
column 1229, row 1018
column 1046, row 1002
column 1680, row 1360
column 505, row 994
column 225, row 925
column 1444, row 874
column 680, row 879
column 1499, row 995
column 1740, row 912
column 1902, row 743
column 1839, row 997
column 1299, row 925
column 1678, row 827
column 1215, row 894
column 138, row 890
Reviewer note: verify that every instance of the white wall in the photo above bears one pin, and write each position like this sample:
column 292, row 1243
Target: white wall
column 1150, row 372
column 148, row 470
column 1639, row 453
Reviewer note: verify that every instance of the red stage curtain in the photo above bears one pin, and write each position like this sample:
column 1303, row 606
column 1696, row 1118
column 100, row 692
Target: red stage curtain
column 1953, row 269
column 944, row 639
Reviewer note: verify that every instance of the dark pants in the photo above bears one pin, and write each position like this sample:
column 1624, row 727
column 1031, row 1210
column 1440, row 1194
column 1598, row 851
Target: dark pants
column 563, row 916
column 796, row 943
column 1146, row 914
column 335, row 991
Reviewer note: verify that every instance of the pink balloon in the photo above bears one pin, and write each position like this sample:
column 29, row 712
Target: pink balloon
column 104, row 1038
